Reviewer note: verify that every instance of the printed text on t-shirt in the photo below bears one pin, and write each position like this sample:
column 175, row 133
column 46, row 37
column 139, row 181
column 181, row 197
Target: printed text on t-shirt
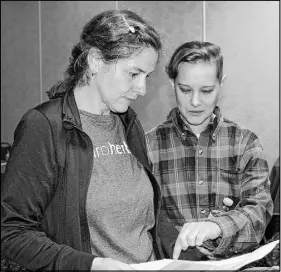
column 111, row 149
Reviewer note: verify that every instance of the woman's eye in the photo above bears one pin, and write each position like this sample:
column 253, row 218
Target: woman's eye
column 133, row 75
column 185, row 90
column 206, row 91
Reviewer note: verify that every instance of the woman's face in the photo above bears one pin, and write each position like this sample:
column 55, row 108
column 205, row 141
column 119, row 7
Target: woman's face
column 119, row 84
column 197, row 91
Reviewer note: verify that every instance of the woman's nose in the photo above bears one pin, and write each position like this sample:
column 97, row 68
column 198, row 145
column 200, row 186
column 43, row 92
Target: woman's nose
column 195, row 101
column 141, row 88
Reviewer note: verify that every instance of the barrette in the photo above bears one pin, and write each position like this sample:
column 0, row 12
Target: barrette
column 131, row 28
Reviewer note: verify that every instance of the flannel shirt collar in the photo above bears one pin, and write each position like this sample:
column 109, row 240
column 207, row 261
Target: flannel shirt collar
column 214, row 125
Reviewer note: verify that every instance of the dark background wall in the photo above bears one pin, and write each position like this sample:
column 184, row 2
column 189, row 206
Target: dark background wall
column 37, row 37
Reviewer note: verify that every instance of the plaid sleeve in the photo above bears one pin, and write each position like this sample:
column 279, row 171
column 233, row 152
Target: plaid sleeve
column 244, row 226
column 148, row 148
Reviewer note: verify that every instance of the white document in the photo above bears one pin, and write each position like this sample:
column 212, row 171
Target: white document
column 155, row 265
column 233, row 263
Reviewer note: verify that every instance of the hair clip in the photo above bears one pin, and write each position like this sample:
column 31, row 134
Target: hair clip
column 131, row 28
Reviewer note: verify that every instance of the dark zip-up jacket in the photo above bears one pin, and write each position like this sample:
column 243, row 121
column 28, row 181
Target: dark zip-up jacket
column 43, row 201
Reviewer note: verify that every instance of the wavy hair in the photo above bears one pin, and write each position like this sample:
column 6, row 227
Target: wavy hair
column 109, row 33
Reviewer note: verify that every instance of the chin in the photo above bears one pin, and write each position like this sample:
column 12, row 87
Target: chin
column 119, row 108
column 196, row 122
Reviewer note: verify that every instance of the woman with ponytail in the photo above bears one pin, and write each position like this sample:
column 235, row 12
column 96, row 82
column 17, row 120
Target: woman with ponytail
column 78, row 193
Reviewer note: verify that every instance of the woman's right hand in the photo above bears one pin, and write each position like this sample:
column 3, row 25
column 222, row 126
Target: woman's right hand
column 109, row 264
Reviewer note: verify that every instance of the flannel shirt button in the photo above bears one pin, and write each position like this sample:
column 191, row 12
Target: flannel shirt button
column 200, row 181
column 203, row 211
column 200, row 151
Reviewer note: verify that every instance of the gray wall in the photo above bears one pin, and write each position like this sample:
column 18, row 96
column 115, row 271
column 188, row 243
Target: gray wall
column 20, row 57
column 37, row 37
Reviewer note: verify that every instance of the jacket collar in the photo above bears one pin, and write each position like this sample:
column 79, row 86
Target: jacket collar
column 71, row 117
column 214, row 124
column 70, row 112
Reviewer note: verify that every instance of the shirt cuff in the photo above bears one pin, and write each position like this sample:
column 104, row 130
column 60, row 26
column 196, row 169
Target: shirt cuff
column 223, row 245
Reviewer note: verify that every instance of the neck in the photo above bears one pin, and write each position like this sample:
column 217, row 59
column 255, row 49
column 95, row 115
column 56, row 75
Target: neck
column 197, row 129
column 89, row 100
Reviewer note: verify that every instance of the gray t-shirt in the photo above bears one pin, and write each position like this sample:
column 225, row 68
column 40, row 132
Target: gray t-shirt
column 119, row 203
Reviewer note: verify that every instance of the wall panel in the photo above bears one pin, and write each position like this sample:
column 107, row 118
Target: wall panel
column 248, row 33
column 20, row 84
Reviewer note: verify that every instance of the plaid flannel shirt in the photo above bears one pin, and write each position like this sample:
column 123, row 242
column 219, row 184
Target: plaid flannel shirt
column 197, row 174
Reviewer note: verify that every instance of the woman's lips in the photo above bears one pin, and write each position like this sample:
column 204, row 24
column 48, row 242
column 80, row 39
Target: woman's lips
column 130, row 99
column 195, row 113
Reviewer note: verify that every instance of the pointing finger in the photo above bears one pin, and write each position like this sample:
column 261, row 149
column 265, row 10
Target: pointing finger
column 177, row 250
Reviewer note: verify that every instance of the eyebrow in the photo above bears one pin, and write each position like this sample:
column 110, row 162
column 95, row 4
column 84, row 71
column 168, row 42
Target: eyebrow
column 138, row 69
column 205, row 86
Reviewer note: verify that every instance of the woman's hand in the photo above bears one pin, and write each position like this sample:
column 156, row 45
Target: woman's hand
column 194, row 234
column 109, row 264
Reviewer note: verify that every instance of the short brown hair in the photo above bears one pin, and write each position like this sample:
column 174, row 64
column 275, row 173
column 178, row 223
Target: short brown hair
column 195, row 51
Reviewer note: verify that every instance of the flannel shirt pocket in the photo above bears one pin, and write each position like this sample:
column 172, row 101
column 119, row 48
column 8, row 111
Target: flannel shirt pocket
column 230, row 185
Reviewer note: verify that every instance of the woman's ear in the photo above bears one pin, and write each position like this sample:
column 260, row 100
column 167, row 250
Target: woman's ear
column 93, row 61
column 172, row 82
column 221, row 94
column 223, row 79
